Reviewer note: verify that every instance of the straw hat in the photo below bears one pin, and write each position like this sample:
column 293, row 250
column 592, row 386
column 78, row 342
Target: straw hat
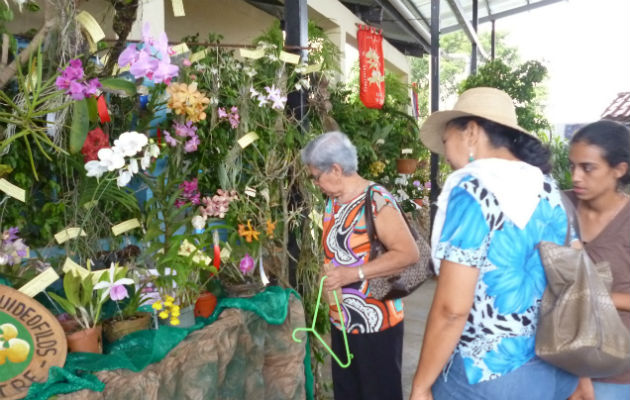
column 492, row 104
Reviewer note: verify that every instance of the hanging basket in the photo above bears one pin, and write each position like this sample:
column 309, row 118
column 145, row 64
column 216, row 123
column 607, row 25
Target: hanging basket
column 115, row 329
column 406, row 165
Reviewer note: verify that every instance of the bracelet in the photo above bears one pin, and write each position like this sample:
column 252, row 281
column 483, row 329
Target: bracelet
column 361, row 274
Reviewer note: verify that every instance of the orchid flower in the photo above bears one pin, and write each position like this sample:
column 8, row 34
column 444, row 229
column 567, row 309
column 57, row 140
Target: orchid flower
column 114, row 289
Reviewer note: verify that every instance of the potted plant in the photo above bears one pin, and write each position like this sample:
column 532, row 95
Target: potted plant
column 83, row 301
column 127, row 318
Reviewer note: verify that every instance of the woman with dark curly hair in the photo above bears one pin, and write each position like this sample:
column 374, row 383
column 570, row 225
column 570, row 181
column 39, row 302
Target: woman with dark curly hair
column 600, row 156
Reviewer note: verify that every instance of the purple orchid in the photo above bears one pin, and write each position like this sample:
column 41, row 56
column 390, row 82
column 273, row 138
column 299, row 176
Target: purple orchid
column 72, row 81
column 247, row 264
column 185, row 130
column 152, row 60
column 170, row 140
column 115, row 289
column 191, row 145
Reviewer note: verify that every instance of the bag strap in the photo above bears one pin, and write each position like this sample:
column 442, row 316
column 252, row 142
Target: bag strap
column 572, row 220
column 369, row 220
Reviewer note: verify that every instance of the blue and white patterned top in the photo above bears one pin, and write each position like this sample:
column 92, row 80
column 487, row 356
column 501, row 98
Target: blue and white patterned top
column 501, row 328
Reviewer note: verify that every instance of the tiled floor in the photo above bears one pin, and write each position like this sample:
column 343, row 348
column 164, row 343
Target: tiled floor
column 416, row 312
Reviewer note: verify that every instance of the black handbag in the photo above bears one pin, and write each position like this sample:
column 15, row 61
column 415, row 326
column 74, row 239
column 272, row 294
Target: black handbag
column 404, row 283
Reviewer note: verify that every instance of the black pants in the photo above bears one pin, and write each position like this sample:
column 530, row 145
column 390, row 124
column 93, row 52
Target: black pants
column 375, row 370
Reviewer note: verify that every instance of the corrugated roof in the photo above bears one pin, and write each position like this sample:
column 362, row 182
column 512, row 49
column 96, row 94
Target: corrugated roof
column 619, row 109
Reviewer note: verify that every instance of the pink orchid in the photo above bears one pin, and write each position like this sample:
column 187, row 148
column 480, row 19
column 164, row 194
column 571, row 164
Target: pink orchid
column 191, row 144
column 247, row 264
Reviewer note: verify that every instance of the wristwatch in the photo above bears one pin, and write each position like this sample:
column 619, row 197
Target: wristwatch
column 361, row 274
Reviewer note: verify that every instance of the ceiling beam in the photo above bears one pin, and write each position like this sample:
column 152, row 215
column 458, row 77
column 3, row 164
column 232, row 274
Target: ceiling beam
column 411, row 26
column 513, row 11
column 458, row 12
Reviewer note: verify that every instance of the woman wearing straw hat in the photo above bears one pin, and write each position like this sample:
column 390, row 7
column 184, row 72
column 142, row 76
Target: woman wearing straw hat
column 493, row 210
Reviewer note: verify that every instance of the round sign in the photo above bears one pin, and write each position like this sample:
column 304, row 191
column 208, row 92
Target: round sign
column 31, row 341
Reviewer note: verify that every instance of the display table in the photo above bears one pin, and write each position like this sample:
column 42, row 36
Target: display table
column 239, row 356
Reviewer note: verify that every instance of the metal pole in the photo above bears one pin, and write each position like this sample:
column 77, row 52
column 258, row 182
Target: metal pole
column 296, row 30
column 473, row 54
column 435, row 98
column 492, row 40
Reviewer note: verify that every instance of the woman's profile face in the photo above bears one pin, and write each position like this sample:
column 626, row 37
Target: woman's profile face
column 456, row 149
column 590, row 172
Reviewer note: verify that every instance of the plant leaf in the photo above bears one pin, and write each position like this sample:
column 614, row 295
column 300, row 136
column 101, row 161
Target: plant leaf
column 121, row 87
column 80, row 126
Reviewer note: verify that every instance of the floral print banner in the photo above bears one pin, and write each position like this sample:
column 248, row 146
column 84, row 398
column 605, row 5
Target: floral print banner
column 371, row 67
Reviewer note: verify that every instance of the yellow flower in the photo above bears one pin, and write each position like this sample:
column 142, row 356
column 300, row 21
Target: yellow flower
column 168, row 303
column 174, row 321
column 248, row 233
column 175, row 313
column 175, row 308
column 157, row 305
column 163, row 314
column 187, row 100
column 169, row 298
column 271, row 226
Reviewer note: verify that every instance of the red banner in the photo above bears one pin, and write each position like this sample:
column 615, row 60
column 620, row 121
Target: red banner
column 371, row 67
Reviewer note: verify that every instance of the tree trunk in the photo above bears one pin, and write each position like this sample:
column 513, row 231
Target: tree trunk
column 51, row 20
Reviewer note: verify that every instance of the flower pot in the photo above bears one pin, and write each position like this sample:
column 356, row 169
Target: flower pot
column 115, row 329
column 418, row 202
column 69, row 324
column 86, row 340
column 186, row 318
column 406, row 165
column 205, row 305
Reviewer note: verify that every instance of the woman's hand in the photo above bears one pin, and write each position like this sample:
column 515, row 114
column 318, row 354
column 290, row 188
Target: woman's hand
column 584, row 390
column 421, row 394
column 340, row 276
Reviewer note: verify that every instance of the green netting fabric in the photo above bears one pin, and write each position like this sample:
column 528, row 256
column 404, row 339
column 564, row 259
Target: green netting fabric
column 139, row 349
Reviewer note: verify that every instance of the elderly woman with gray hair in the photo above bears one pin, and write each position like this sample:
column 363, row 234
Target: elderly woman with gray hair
column 374, row 327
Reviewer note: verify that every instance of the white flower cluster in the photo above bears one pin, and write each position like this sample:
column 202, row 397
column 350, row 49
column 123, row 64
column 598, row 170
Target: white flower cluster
column 128, row 145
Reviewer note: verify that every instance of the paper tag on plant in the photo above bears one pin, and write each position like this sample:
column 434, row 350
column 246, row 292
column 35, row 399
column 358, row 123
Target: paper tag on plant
column 312, row 68
column 180, row 49
column 406, row 151
column 12, row 190
column 200, row 55
column 40, row 282
column 68, row 233
column 125, row 226
column 289, row 58
column 253, row 54
column 178, row 8
column 251, row 192
column 248, row 139
column 93, row 29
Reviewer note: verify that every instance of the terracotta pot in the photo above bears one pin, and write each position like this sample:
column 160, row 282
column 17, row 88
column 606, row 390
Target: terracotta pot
column 69, row 324
column 205, row 305
column 86, row 340
column 418, row 202
column 116, row 329
column 406, row 165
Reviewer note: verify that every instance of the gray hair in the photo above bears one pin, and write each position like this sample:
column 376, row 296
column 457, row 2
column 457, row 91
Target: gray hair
column 328, row 149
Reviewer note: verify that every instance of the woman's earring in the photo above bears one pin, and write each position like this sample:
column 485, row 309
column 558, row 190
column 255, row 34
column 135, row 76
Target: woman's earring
column 470, row 157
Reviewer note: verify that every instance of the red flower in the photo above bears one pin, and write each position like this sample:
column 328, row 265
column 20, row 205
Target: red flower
column 96, row 140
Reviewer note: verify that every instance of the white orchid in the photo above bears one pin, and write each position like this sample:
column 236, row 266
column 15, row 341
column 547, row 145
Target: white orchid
column 111, row 158
column 114, row 289
column 198, row 222
column 124, row 177
column 95, row 168
column 131, row 143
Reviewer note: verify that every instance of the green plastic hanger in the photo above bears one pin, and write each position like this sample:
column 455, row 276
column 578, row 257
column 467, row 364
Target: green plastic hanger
column 349, row 355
